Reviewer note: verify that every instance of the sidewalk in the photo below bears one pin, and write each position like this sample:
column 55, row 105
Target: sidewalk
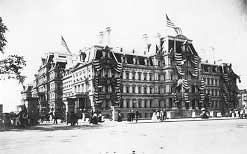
column 190, row 119
column 85, row 124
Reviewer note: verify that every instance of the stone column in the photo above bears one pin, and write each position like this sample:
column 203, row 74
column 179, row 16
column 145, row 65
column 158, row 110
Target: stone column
column 143, row 103
column 66, row 103
column 148, row 103
column 183, row 104
column 124, row 103
column 196, row 105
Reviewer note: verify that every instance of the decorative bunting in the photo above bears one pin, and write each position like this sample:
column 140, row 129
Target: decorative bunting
column 118, row 67
column 202, row 85
column 178, row 58
column 185, row 84
column 186, row 97
column 202, row 97
column 97, row 65
column 179, row 70
column 226, row 77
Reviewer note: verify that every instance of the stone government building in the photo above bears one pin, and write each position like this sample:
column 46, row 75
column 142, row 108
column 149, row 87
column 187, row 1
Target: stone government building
column 170, row 76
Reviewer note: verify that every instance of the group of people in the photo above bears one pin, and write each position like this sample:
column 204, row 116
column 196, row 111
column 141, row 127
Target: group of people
column 96, row 117
column 19, row 120
column 133, row 115
column 159, row 115
column 238, row 113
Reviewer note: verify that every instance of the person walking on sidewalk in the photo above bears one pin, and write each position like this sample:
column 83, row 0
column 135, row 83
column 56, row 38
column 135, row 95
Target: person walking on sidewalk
column 137, row 115
column 119, row 119
column 55, row 118
column 165, row 115
column 161, row 115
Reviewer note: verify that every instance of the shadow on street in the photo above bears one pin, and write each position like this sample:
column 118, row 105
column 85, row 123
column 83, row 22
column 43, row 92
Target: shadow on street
column 52, row 127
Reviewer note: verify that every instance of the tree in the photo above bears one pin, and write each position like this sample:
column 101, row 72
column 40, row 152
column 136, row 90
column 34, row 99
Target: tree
column 12, row 65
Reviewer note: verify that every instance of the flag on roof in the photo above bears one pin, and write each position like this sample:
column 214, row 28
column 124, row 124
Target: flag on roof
column 170, row 24
column 64, row 44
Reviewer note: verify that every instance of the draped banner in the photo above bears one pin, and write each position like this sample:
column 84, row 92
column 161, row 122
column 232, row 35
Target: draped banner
column 202, row 94
column 179, row 70
column 202, row 97
column 97, row 65
column 226, row 77
column 186, row 97
column 202, row 85
column 117, row 90
column 176, row 98
column 179, row 62
column 185, row 84
column 118, row 67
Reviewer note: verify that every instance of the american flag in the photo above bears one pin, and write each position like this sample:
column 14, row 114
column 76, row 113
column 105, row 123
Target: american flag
column 170, row 24
column 64, row 44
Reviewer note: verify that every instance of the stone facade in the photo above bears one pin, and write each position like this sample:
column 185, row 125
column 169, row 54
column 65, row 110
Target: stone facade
column 47, row 85
column 168, row 77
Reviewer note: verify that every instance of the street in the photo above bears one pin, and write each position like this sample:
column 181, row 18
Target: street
column 183, row 137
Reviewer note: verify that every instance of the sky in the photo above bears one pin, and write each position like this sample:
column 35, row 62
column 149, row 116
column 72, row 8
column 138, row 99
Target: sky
column 218, row 30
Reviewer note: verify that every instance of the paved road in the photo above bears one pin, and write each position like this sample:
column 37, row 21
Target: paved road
column 184, row 137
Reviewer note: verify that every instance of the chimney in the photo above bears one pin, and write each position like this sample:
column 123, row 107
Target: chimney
column 43, row 61
column 101, row 36
column 108, row 32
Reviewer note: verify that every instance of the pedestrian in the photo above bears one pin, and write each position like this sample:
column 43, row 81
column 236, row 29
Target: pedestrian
column 129, row 116
column 55, row 118
column 67, row 117
column 132, row 115
column 161, row 115
column 100, row 117
column 239, row 113
column 137, row 115
column 154, row 116
column 165, row 115
column 158, row 114
column 119, row 119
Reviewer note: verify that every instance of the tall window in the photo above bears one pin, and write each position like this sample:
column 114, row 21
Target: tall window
column 208, row 81
column 127, row 75
column 139, row 90
column 151, row 90
column 145, row 90
column 127, row 89
column 145, row 103
column 139, row 75
column 139, row 103
column 144, row 76
column 133, row 89
column 133, row 75
column 170, row 102
column 127, row 103
column 150, row 77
